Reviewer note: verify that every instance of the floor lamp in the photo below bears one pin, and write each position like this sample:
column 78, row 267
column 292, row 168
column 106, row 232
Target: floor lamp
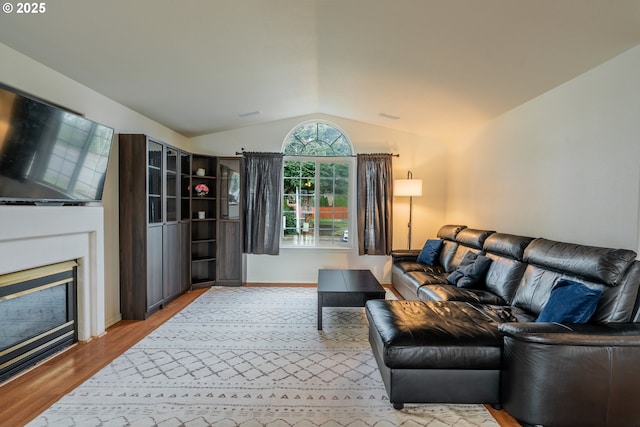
column 408, row 187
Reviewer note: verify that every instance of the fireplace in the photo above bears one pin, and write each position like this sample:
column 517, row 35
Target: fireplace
column 34, row 236
column 38, row 310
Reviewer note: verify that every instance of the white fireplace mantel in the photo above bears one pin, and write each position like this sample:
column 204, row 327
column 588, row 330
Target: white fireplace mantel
column 33, row 236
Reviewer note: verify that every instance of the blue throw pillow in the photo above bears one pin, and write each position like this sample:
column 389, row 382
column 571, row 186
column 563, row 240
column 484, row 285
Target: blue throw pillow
column 570, row 302
column 473, row 275
column 430, row 251
column 456, row 274
column 471, row 270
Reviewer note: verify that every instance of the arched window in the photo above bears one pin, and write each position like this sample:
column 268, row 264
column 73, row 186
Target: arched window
column 317, row 139
column 317, row 181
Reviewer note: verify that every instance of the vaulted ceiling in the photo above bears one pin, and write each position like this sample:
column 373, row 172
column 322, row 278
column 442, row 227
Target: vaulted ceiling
column 430, row 67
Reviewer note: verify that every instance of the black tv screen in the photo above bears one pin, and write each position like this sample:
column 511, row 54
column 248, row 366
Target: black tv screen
column 49, row 154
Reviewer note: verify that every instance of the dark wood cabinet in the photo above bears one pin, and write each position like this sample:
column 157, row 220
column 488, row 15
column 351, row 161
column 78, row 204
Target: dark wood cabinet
column 216, row 222
column 184, row 233
column 180, row 223
column 154, row 224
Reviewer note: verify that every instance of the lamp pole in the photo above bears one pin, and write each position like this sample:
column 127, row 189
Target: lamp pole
column 410, row 176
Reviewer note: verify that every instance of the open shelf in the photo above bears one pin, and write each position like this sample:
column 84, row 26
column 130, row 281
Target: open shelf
column 203, row 229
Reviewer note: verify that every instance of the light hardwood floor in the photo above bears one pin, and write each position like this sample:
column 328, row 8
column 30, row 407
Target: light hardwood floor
column 29, row 394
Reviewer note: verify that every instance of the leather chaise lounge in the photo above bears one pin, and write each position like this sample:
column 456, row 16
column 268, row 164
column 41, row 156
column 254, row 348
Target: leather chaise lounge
column 482, row 344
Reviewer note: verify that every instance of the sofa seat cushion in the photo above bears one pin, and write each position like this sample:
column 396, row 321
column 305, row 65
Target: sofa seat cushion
column 438, row 335
column 439, row 292
column 423, row 278
column 409, row 266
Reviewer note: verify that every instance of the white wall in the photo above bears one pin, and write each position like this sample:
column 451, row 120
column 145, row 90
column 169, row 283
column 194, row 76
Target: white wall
column 565, row 165
column 30, row 76
column 425, row 158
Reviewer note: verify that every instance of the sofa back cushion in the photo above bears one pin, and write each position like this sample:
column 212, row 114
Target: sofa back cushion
column 504, row 276
column 472, row 237
column 535, row 288
column 449, row 232
column 467, row 240
column 447, row 254
column 603, row 265
column 507, row 245
column 604, row 269
column 507, row 268
column 617, row 302
column 570, row 302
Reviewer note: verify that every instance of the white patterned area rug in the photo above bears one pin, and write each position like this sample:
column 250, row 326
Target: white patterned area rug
column 250, row 357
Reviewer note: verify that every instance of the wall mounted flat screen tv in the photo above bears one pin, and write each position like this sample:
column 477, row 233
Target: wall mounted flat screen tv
column 49, row 155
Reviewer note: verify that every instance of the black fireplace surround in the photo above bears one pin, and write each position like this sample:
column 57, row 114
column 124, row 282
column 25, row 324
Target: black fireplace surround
column 482, row 344
column 37, row 315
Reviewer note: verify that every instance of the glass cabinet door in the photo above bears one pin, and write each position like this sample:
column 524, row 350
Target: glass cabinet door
column 230, row 190
column 154, row 182
column 185, row 186
column 171, row 184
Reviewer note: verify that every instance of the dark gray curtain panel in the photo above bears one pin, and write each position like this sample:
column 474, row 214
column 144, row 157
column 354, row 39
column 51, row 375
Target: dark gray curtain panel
column 375, row 186
column 263, row 203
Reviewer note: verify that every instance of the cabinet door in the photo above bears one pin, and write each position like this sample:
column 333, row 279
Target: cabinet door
column 171, row 184
column 184, row 188
column 229, row 259
column 184, row 236
column 171, row 261
column 154, row 268
column 229, row 256
column 230, row 189
column 155, row 193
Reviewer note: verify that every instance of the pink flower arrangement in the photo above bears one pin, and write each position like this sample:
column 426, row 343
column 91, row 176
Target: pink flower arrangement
column 202, row 189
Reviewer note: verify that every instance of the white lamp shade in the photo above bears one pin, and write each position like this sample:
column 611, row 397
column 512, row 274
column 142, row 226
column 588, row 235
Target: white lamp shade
column 407, row 187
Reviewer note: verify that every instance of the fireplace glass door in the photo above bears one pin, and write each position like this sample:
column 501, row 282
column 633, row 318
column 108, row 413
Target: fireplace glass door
column 37, row 315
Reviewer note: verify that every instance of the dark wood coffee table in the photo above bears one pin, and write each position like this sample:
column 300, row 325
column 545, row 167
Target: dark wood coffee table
column 346, row 288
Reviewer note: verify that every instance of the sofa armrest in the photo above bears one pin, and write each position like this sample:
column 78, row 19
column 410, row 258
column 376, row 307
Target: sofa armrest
column 612, row 334
column 571, row 375
column 405, row 255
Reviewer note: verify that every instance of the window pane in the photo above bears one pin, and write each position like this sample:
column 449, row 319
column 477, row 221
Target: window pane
column 306, row 133
column 342, row 170
column 341, row 187
column 342, row 147
column 299, row 202
column 291, row 168
column 308, row 169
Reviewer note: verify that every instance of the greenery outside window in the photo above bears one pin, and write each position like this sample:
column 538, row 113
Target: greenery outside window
column 317, row 181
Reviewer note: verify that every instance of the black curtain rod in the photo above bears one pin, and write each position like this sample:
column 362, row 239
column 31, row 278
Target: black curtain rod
column 240, row 153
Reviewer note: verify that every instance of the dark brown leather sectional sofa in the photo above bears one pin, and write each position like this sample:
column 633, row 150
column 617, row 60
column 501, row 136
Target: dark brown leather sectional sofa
column 482, row 344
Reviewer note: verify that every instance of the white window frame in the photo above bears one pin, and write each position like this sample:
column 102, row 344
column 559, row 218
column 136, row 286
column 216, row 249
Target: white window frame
column 314, row 242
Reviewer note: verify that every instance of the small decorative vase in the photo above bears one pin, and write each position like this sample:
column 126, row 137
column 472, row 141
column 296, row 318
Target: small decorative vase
column 200, row 172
